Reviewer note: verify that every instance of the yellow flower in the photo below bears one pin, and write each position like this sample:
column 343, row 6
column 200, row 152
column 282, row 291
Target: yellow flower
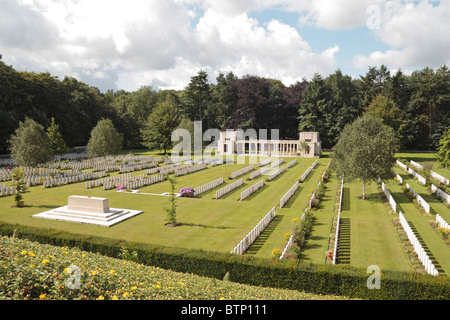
column 222, row 298
column 113, row 272
column 24, row 252
column 31, row 254
column 115, row 298
column 42, row 296
column 45, row 261
column 66, row 252
column 125, row 294
column 32, row 265
column 83, row 255
column 158, row 287
column 133, row 288
column 101, row 298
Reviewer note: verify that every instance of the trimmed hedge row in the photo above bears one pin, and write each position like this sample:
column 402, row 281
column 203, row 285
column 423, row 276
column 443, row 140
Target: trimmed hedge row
column 288, row 274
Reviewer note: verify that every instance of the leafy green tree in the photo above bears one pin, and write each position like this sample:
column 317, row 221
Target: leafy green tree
column 157, row 131
column 443, row 154
column 388, row 112
column 197, row 98
column 19, row 186
column 57, row 143
column 429, row 107
column 104, row 140
column 30, row 146
column 343, row 108
column 373, row 83
column 224, row 96
column 365, row 151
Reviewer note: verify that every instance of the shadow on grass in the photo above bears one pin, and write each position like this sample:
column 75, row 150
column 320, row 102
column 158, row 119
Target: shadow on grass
column 182, row 224
column 257, row 192
column 41, row 206
column 293, row 198
column 256, row 246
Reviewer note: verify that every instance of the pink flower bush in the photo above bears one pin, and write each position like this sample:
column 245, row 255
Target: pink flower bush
column 187, row 192
column 121, row 187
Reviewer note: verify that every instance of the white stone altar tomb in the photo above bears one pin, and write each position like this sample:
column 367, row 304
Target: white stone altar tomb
column 90, row 210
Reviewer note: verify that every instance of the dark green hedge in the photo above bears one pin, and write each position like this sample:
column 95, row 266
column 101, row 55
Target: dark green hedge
column 289, row 274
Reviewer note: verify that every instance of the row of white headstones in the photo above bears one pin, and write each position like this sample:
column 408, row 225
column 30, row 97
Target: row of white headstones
column 423, row 257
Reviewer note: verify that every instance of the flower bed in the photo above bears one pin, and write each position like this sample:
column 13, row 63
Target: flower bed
column 33, row 271
column 187, row 192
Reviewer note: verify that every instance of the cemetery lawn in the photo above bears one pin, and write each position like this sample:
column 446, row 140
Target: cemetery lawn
column 373, row 239
column 426, row 157
column 219, row 225
column 204, row 223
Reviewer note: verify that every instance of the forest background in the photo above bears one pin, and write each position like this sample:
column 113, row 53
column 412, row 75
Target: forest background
column 417, row 106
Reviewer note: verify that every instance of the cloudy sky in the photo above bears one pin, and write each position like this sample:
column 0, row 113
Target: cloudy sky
column 118, row 44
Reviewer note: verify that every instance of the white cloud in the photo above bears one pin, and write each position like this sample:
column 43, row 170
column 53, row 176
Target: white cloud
column 141, row 42
column 417, row 34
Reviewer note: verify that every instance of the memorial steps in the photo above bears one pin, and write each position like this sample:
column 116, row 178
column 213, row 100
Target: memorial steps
column 343, row 255
column 99, row 213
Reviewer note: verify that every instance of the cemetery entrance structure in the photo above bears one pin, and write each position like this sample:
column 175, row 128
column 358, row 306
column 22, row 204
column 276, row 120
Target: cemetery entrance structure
column 231, row 142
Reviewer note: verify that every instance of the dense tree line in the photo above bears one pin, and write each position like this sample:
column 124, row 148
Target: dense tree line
column 417, row 106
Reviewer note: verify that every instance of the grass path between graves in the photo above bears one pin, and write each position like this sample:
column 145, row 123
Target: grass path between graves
column 316, row 248
column 438, row 251
column 373, row 239
column 274, row 236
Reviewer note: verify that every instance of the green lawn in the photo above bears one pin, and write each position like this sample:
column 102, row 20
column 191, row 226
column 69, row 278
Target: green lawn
column 205, row 223
column 373, row 240
column 420, row 222
column 219, row 225
column 426, row 157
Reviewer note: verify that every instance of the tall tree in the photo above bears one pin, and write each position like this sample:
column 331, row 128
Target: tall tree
column 197, row 98
column 157, row 131
column 57, row 142
column 316, row 103
column 373, row 83
column 293, row 97
column 258, row 103
column 224, row 96
column 105, row 140
column 365, row 151
column 443, row 154
column 30, row 146
column 387, row 111
column 343, row 108
column 430, row 104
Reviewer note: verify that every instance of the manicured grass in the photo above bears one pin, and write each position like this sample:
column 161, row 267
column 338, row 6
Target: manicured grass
column 316, row 248
column 274, row 237
column 216, row 225
column 219, row 225
column 421, row 222
column 373, row 240
column 426, row 157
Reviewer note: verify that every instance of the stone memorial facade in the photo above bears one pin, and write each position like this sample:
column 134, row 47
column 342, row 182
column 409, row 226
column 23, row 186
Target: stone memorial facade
column 230, row 143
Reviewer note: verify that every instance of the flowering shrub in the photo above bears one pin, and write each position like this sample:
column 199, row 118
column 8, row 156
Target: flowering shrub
column 33, row 271
column 121, row 187
column 187, row 192
column 276, row 253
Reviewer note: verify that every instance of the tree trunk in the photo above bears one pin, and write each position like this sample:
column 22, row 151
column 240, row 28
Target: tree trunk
column 364, row 190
